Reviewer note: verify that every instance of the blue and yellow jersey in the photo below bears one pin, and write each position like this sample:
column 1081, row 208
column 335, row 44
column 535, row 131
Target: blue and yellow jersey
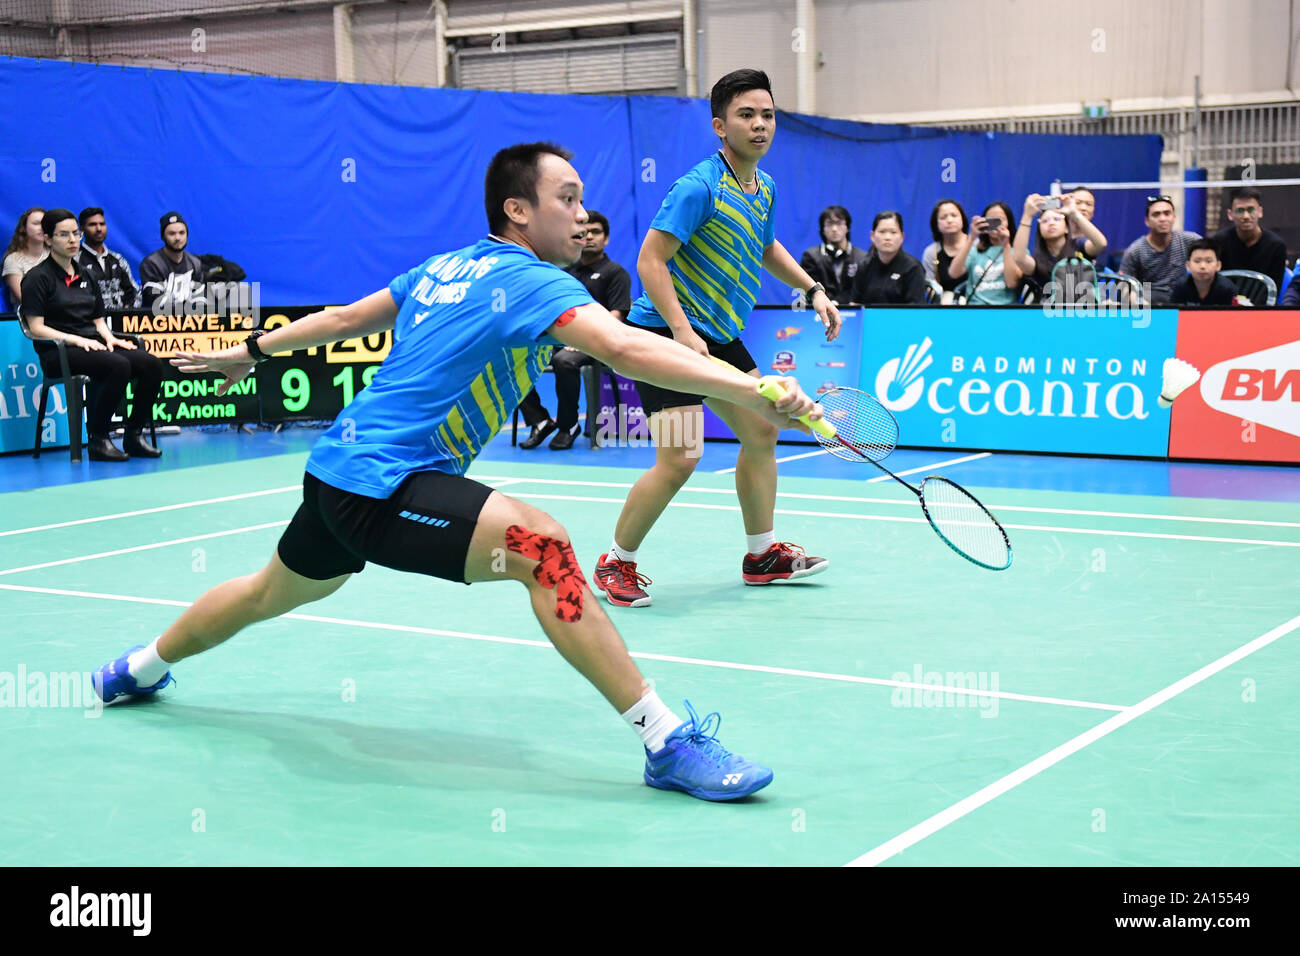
column 469, row 342
column 723, row 231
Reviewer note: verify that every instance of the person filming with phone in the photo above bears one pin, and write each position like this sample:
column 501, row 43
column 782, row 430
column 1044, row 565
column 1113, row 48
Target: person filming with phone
column 994, row 270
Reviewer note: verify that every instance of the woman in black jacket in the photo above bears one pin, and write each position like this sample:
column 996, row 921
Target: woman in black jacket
column 62, row 303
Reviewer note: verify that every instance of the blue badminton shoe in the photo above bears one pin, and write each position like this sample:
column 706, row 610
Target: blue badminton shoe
column 114, row 680
column 693, row 762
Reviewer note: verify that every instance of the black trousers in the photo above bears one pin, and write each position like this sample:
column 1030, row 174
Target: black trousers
column 111, row 372
column 567, row 365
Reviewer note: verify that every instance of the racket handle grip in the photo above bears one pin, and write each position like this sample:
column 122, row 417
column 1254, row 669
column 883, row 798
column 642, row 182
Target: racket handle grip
column 773, row 392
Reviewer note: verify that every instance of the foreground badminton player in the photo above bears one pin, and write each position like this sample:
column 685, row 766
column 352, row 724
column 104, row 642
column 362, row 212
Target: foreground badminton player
column 473, row 329
column 700, row 264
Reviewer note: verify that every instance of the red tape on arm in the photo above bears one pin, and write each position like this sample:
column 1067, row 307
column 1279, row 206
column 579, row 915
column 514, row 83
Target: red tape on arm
column 565, row 319
column 557, row 569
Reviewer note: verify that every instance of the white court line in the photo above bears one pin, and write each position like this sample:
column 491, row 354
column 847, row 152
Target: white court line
column 911, row 502
column 145, row 547
column 695, row 505
column 504, row 480
column 938, row 464
column 807, row 454
column 149, row 511
column 697, row 661
column 903, row 520
column 976, row 800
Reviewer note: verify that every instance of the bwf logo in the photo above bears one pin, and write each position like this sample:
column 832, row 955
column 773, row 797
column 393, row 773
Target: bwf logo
column 1261, row 387
column 76, row 909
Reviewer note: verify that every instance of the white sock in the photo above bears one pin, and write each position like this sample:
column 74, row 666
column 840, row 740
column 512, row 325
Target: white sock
column 758, row 543
column 652, row 721
column 146, row 666
column 623, row 554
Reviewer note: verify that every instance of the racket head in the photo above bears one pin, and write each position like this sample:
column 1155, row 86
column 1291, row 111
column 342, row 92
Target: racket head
column 860, row 420
column 964, row 524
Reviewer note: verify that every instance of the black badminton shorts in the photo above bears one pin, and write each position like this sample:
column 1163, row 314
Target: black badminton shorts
column 656, row 399
column 425, row 527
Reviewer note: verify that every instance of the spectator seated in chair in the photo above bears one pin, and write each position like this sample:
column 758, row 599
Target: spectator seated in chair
column 117, row 286
column 890, row 275
column 170, row 277
column 62, row 302
column 1245, row 245
column 948, row 225
column 26, row 248
column 1158, row 259
column 994, row 271
column 1203, row 285
column 611, row 286
column 835, row 263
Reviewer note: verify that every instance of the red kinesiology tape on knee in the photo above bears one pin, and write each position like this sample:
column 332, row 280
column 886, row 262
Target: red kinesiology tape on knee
column 557, row 568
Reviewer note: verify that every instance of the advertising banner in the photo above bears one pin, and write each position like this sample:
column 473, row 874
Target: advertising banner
column 1247, row 403
column 792, row 342
column 1021, row 379
column 20, row 396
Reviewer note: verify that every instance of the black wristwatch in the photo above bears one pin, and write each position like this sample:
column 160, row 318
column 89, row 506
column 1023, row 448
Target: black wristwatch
column 817, row 287
column 251, row 342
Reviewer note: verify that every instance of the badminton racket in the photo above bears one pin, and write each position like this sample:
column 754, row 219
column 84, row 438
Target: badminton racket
column 857, row 427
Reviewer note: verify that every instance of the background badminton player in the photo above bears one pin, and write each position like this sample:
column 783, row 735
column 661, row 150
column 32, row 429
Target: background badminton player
column 700, row 265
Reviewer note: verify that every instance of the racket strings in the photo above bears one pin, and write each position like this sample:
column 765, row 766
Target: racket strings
column 862, row 422
column 964, row 523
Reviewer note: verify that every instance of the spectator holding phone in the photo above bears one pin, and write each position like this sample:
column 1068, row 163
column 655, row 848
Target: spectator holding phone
column 994, row 271
column 890, row 275
column 1056, row 215
column 948, row 225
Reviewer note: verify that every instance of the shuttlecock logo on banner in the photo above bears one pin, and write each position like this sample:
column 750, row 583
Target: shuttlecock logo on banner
column 899, row 383
column 1262, row 387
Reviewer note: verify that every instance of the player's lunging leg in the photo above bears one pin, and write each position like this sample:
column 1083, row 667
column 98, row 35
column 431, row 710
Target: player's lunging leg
column 517, row 542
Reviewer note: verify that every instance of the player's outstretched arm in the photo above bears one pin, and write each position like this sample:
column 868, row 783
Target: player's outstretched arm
column 778, row 261
column 377, row 312
column 652, row 358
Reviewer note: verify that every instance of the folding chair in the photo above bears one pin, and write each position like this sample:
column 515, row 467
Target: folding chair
column 1259, row 288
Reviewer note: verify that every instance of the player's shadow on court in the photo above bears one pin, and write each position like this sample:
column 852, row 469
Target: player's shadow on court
column 345, row 752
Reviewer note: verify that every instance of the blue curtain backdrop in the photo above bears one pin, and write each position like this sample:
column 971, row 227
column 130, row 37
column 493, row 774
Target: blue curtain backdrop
column 324, row 191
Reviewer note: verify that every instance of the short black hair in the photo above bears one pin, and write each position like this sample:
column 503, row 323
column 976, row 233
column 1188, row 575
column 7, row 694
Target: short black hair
column 837, row 212
column 593, row 216
column 1197, row 245
column 934, row 218
column 86, row 214
column 887, row 214
column 1245, row 192
column 513, row 174
column 732, row 85
column 53, row 217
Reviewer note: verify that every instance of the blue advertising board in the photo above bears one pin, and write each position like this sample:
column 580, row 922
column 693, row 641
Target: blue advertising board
column 792, row 342
column 20, row 395
column 1022, row 379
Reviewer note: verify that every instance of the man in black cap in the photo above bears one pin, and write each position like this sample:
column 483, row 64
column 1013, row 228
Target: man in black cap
column 171, row 276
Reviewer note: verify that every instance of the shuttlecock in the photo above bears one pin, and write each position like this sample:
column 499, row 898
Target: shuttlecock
column 1179, row 377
